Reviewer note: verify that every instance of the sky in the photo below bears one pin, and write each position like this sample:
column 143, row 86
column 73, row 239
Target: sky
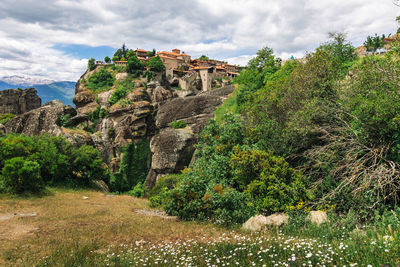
column 53, row 39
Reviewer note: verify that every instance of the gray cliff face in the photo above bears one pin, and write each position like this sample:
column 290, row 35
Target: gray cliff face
column 45, row 119
column 172, row 149
column 19, row 101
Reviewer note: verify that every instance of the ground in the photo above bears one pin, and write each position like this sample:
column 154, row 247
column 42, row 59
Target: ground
column 35, row 227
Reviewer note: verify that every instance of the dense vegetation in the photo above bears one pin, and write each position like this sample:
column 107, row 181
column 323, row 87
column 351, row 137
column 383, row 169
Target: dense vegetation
column 321, row 133
column 28, row 164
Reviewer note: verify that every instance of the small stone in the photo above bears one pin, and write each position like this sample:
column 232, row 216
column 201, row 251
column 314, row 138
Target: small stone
column 84, row 197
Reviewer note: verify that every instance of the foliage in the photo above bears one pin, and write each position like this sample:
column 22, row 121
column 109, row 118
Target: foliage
column 21, row 176
column 374, row 43
column 120, row 53
column 269, row 179
column 169, row 182
column 100, row 81
column 156, row 64
column 59, row 162
column 119, row 93
column 4, row 118
column 134, row 166
column 107, row 59
column 134, row 65
column 178, row 124
column 138, row 190
column 91, row 64
column 65, row 120
column 204, row 57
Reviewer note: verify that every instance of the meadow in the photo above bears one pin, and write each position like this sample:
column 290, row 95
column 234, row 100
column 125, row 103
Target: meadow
column 89, row 228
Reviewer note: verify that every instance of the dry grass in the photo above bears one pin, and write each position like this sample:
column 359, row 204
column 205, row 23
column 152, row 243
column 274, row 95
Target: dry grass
column 64, row 218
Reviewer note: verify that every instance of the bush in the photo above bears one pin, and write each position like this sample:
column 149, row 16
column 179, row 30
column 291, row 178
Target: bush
column 272, row 183
column 119, row 93
column 138, row 190
column 178, row 124
column 22, row 176
column 4, row 118
column 100, row 81
column 156, row 64
column 134, row 166
column 169, row 182
column 60, row 163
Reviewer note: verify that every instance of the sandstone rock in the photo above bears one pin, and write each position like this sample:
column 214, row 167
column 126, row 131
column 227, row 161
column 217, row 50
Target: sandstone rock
column 172, row 150
column 121, row 76
column 78, row 119
column 76, row 137
column 45, row 119
column 19, row 101
column 82, row 98
column 256, row 223
column 318, row 217
column 104, row 97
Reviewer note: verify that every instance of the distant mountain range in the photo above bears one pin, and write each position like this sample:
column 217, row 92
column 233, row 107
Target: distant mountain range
column 47, row 90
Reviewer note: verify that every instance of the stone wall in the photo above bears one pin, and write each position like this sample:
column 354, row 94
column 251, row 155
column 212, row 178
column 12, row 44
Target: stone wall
column 19, row 101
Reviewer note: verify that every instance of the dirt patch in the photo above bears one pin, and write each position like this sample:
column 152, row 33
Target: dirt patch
column 155, row 213
column 12, row 229
column 16, row 231
column 8, row 216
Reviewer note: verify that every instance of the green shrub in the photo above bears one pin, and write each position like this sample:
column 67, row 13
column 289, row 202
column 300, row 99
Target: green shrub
column 169, row 182
column 4, row 118
column 134, row 166
column 178, row 124
column 138, row 190
column 100, row 81
column 160, row 199
column 65, row 120
column 22, row 176
column 272, row 183
column 60, row 163
column 156, row 64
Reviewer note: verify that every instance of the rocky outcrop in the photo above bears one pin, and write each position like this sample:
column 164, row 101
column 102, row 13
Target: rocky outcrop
column 45, row 119
column 172, row 149
column 19, row 101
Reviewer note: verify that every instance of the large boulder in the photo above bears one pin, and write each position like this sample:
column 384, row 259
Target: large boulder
column 45, row 119
column 318, row 217
column 172, row 150
column 19, row 101
column 257, row 223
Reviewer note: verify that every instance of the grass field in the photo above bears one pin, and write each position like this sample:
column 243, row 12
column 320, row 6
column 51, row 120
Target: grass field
column 33, row 228
column 88, row 228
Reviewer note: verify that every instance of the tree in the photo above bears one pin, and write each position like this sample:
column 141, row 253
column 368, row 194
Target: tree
column 115, row 58
column 107, row 59
column 156, row 64
column 130, row 54
column 340, row 48
column 374, row 43
column 265, row 59
column 20, row 176
column 203, row 57
column 134, row 64
column 91, row 64
column 121, row 52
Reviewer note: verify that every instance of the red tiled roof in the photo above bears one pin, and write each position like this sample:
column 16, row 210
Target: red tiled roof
column 141, row 50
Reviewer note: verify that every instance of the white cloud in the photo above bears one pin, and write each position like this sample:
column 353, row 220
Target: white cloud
column 230, row 30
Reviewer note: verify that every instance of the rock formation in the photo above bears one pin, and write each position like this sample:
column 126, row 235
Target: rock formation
column 146, row 112
column 19, row 101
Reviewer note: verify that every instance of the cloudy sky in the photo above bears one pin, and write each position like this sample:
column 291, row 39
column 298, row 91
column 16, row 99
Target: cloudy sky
column 52, row 39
